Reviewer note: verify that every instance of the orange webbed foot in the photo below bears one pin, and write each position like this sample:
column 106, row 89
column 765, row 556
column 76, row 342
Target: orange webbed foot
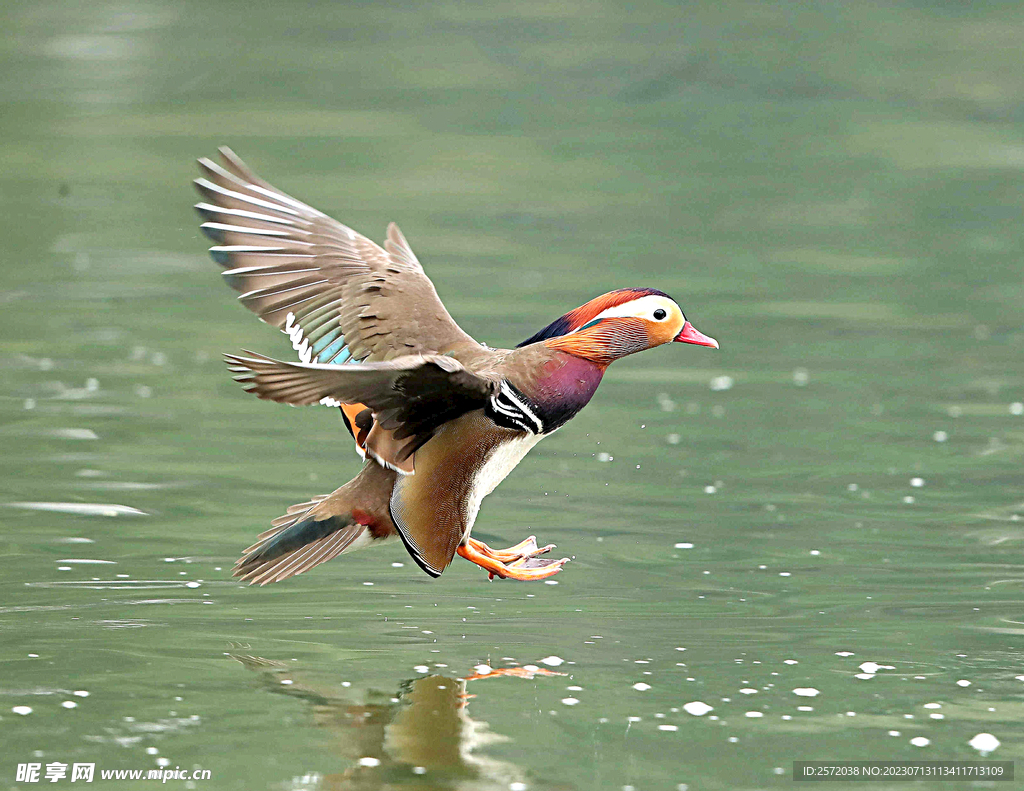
column 519, row 562
column 526, row 548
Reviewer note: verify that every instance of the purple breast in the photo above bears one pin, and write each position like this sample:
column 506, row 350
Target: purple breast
column 563, row 389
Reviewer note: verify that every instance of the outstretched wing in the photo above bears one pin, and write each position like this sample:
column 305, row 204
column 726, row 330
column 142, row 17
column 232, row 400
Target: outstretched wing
column 339, row 296
column 410, row 397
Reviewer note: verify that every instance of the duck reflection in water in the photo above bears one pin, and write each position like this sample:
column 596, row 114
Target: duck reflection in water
column 421, row 737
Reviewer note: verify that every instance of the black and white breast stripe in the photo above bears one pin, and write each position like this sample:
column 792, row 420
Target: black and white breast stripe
column 510, row 408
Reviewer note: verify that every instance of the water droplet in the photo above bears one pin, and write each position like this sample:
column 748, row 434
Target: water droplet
column 984, row 742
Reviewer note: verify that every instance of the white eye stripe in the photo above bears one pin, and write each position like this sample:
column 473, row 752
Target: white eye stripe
column 643, row 307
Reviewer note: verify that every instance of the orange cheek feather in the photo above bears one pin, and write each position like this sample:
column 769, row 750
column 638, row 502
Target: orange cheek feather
column 660, row 332
column 605, row 342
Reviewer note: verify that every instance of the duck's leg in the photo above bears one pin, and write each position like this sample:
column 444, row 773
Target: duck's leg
column 524, row 549
column 526, row 568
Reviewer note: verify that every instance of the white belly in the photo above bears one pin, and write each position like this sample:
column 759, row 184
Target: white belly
column 499, row 464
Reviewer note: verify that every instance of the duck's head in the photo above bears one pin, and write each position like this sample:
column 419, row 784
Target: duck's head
column 619, row 323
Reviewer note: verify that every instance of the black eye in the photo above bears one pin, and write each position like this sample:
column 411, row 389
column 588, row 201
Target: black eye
column 659, row 314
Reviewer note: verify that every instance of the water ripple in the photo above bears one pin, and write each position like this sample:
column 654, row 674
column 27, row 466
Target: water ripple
column 81, row 509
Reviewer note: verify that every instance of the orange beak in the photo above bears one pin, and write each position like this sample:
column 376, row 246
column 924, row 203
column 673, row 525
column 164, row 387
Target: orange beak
column 690, row 334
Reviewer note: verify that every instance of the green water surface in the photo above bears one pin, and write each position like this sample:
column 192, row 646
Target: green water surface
column 834, row 191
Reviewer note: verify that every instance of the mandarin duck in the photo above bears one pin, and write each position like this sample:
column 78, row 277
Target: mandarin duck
column 439, row 419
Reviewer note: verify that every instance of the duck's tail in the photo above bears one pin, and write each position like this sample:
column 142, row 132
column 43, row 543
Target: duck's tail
column 313, row 532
